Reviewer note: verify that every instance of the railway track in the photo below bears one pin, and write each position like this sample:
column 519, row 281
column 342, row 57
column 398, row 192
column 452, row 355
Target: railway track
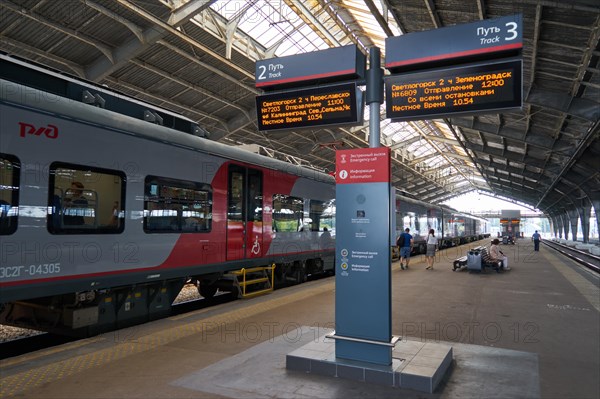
column 19, row 341
column 591, row 262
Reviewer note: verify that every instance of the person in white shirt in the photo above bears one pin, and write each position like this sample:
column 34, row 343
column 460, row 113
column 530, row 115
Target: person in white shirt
column 431, row 245
column 497, row 256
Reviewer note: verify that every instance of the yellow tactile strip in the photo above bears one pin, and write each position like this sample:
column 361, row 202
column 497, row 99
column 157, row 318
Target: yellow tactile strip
column 17, row 383
column 585, row 288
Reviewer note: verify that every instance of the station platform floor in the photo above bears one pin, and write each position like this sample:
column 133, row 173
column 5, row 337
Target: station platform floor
column 531, row 332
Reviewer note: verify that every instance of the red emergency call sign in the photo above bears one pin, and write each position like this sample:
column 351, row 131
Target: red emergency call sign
column 362, row 165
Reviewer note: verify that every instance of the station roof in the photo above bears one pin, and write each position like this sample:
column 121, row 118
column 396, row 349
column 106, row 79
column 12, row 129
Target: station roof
column 197, row 58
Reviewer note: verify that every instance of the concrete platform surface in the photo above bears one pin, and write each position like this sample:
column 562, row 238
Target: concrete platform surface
column 260, row 372
column 531, row 332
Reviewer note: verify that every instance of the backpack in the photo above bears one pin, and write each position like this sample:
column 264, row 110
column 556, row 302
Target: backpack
column 400, row 241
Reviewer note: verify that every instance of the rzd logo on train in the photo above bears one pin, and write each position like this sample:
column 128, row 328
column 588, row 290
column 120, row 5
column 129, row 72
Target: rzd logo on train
column 49, row 131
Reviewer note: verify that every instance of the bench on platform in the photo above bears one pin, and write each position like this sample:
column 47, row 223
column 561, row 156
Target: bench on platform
column 458, row 263
column 486, row 260
column 462, row 261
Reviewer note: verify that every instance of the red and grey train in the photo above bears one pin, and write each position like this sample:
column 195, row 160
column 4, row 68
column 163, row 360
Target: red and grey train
column 106, row 215
column 108, row 206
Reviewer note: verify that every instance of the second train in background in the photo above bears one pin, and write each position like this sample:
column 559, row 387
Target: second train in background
column 451, row 227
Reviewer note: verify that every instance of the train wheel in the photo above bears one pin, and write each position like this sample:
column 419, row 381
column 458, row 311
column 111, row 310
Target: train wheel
column 300, row 272
column 280, row 275
column 207, row 290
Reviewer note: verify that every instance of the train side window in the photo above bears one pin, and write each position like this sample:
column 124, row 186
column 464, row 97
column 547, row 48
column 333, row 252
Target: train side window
column 85, row 200
column 255, row 198
column 288, row 213
column 235, row 197
column 10, row 168
column 322, row 214
column 172, row 206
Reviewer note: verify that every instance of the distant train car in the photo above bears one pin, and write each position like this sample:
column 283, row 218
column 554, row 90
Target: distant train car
column 451, row 227
column 106, row 215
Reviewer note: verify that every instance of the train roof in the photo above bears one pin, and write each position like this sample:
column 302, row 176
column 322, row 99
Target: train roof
column 61, row 84
column 61, row 101
column 400, row 193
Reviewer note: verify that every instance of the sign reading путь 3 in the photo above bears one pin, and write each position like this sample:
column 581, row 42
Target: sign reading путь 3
column 474, row 40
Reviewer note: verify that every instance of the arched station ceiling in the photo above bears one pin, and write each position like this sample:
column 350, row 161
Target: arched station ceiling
column 197, row 59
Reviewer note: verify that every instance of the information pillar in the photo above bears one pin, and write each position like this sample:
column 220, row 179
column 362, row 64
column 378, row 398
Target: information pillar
column 363, row 288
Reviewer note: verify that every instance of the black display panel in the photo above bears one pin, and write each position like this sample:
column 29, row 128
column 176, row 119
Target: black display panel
column 313, row 107
column 444, row 92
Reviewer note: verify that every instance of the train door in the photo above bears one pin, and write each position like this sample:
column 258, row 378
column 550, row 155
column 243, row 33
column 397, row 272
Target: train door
column 244, row 213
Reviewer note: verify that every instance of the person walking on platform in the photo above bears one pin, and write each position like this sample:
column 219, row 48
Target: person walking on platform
column 536, row 241
column 405, row 244
column 431, row 244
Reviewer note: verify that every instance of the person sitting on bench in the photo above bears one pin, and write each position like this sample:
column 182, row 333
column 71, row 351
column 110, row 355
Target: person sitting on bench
column 496, row 255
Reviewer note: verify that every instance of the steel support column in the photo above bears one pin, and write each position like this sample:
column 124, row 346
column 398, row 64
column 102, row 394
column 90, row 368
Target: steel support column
column 584, row 215
column 596, row 205
column 565, row 221
column 559, row 226
column 573, row 218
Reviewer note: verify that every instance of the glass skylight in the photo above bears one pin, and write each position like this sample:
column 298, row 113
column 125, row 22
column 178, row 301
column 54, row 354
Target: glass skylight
column 272, row 23
column 295, row 27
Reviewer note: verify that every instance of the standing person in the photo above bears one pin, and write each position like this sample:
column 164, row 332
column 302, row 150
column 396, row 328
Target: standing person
column 536, row 241
column 431, row 244
column 325, row 239
column 406, row 244
column 113, row 221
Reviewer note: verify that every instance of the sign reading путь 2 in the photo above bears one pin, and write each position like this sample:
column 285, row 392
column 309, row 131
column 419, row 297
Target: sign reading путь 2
column 470, row 40
column 339, row 104
column 464, row 89
column 335, row 64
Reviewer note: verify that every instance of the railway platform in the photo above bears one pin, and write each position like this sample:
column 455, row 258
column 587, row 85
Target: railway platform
column 531, row 332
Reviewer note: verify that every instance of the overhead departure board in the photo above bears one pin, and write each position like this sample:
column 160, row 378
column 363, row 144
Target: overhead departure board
column 443, row 92
column 313, row 107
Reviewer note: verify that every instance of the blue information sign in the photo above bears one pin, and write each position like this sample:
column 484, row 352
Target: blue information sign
column 363, row 287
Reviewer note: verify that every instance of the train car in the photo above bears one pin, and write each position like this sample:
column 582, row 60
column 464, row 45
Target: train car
column 452, row 227
column 461, row 228
column 418, row 216
column 110, row 205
